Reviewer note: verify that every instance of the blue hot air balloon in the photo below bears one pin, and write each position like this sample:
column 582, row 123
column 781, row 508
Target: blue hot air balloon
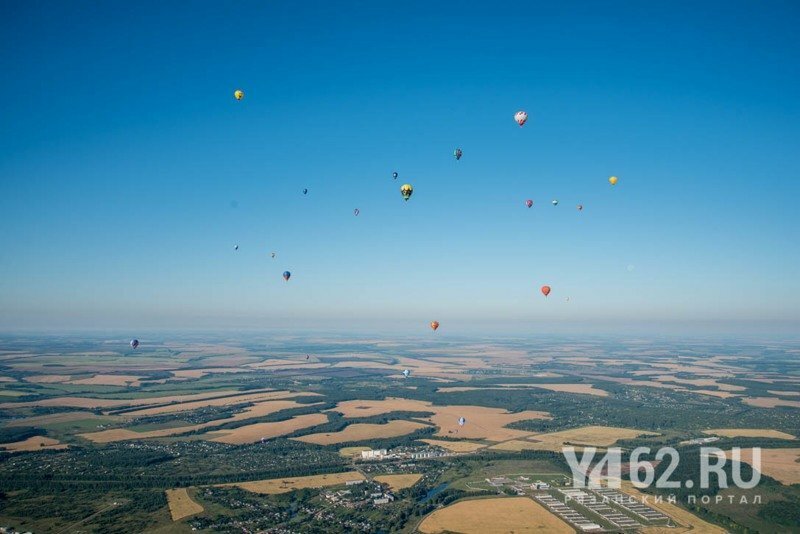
column 287, row 275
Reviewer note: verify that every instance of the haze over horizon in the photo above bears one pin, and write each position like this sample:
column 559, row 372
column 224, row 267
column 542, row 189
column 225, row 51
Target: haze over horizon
column 128, row 172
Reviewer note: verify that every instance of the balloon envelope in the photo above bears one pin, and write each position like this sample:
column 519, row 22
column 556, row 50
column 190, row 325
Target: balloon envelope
column 545, row 290
column 287, row 275
column 529, row 203
column 435, row 325
column 458, row 153
column 521, row 117
column 406, row 372
column 356, row 212
column 235, row 247
column 134, row 343
column 613, row 180
column 461, row 421
column 305, row 191
column 395, row 175
column 406, row 190
column 555, row 203
column 580, row 207
column 238, row 94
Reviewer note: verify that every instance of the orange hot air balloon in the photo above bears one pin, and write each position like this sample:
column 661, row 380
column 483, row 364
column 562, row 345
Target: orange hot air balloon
column 435, row 325
column 545, row 290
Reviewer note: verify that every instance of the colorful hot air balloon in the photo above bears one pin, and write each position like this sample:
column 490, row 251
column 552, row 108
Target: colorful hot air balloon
column 134, row 343
column 287, row 275
column 395, row 175
column 555, row 203
column 406, row 190
column 406, row 372
column 521, row 117
column 461, row 421
column 580, row 207
column 434, row 325
column 238, row 94
column 458, row 153
column 356, row 212
column 545, row 290
column 529, row 203
column 613, row 180
column 305, row 191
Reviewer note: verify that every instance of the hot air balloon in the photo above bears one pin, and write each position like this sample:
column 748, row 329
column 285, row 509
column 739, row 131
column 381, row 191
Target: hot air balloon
column 356, row 212
column 529, row 203
column 273, row 255
column 613, row 180
column 238, row 94
column 461, row 421
column 545, row 290
column 580, row 207
column 305, row 191
column 521, row 117
column 555, row 203
column 235, row 247
column 457, row 153
column 395, row 175
column 406, row 372
column 134, row 343
column 435, row 325
column 406, row 190
column 287, row 275
column 306, row 356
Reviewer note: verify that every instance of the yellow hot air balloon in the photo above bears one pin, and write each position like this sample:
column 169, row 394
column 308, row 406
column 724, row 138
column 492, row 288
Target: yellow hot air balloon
column 238, row 94
column 406, row 190
column 613, row 180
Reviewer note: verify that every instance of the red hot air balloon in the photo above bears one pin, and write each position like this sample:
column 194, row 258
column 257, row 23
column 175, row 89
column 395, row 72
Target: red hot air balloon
column 529, row 203
column 435, row 325
column 545, row 290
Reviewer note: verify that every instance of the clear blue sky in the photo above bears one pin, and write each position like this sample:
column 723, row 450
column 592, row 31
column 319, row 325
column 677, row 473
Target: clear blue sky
column 128, row 171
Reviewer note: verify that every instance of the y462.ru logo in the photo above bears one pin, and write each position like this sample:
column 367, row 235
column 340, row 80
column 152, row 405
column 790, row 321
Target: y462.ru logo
column 590, row 472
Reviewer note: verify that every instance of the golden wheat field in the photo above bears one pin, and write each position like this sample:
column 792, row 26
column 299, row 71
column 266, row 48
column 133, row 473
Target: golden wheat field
column 781, row 464
column 496, row 515
column 181, row 504
column 284, row 485
column 89, row 402
column 770, row 402
column 748, row 433
column 482, row 422
column 598, row 436
column 455, row 446
column 398, row 482
column 36, row 443
column 109, row 380
column 257, row 410
column 257, row 431
column 223, row 401
column 362, row 432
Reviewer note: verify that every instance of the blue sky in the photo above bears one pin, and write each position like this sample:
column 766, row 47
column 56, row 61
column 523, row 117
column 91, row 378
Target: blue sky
column 128, row 171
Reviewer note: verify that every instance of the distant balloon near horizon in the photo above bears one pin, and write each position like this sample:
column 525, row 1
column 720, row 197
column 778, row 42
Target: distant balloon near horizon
column 457, row 153
column 613, row 180
column 435, row 325
column 134, row 343
column 287, row 275
column 395, row 175
column 521, row 117
column 545, row 290
column 529, row 203
column 406, row 190
column 238, row 94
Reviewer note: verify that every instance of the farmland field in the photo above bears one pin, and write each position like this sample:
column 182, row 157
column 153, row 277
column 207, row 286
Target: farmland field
column 283, row 485
column 181, row 504
column 513, row 514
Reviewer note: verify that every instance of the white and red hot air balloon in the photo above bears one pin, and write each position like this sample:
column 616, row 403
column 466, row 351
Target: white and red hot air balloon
column 521, row 117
